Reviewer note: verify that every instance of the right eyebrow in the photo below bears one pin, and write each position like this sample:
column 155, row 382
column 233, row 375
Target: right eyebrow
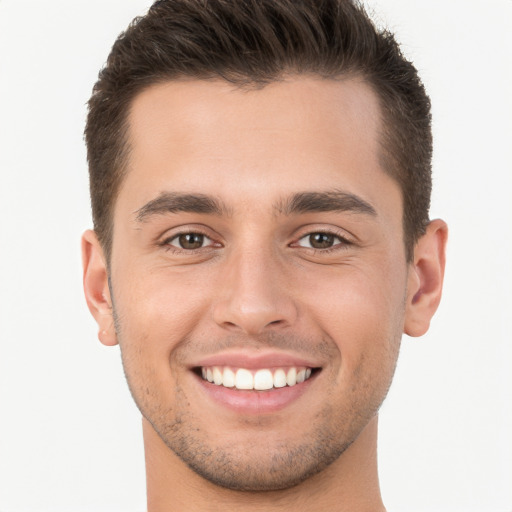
column 173, row 202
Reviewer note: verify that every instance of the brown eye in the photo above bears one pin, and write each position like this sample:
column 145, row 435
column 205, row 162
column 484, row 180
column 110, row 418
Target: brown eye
column 189, row 241
column 321, row 240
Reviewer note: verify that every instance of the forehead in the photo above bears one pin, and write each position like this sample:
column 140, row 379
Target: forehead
column 198, row 103
column 299, row 134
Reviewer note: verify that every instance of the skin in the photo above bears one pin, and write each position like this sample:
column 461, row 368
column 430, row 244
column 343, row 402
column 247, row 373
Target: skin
column 256, row 287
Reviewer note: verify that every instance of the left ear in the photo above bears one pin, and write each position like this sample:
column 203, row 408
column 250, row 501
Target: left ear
column 425, row 281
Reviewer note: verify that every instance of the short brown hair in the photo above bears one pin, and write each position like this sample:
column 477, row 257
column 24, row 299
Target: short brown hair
column 252, row 43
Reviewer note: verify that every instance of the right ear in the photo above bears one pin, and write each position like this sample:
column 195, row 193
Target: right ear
column 97, row 292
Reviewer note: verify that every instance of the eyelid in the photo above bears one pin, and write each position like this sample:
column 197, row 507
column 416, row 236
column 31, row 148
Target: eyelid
column 344, row 236
column 341, row 242
column 173, row 233
column 206, row 239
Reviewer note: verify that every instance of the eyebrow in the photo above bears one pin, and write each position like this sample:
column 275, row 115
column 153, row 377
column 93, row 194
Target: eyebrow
column 302, row 202
column 172, row 202
column 332, row 201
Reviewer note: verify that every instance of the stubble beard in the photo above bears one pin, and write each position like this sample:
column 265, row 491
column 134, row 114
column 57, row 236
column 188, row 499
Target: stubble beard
column 258, row 467
column 282, row 465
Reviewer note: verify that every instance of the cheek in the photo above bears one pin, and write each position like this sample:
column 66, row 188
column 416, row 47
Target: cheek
column 158, row 301
column 363, row 317
column 362, row 311
column 155, row 314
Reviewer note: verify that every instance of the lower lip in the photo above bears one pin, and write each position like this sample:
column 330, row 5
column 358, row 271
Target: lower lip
column 255, row 402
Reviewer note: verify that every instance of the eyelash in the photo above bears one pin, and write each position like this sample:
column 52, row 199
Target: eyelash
column 342, row 242
column 166, row 243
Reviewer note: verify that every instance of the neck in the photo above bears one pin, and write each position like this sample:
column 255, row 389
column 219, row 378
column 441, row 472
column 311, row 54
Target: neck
column 349, row 484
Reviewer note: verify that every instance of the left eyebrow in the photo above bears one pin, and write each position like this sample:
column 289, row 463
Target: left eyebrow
column 172, row 202
column 332, row 201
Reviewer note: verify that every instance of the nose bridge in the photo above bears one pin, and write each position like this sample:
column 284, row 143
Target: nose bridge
column 253, row 292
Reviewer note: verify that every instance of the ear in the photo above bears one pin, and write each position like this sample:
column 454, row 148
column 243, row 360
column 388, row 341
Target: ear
column 97, row 292
column 425, row 281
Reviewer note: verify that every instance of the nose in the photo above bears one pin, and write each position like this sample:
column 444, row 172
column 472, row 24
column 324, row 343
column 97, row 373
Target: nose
column 253, row 294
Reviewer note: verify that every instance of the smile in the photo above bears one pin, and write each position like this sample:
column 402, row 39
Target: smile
column 261, row 380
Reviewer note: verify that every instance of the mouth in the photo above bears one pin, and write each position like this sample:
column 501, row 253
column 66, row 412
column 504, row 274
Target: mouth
column 262, row 379
column 255, row 383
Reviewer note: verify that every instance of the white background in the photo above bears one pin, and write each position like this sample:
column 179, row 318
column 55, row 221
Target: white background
column 69, row 434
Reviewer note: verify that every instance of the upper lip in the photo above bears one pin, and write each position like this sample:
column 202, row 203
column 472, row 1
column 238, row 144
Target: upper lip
column 243, row 359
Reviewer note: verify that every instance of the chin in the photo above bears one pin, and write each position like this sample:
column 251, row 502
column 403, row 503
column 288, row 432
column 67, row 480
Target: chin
column 250, row 464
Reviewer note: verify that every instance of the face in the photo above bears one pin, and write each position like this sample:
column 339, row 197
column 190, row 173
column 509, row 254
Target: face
column 258, row 244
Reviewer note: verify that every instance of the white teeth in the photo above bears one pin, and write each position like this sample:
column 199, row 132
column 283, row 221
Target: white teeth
column 263, row 380
column 217, row 376
column 244, row 379
column 291, row 377
column 279, row 379
column 260, row 380
column 228, row 378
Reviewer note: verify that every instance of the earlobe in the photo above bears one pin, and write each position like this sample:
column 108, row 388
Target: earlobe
column 97, row 292
column 425, row 282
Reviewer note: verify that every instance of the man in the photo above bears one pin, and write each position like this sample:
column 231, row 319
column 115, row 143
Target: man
column 260, row 184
